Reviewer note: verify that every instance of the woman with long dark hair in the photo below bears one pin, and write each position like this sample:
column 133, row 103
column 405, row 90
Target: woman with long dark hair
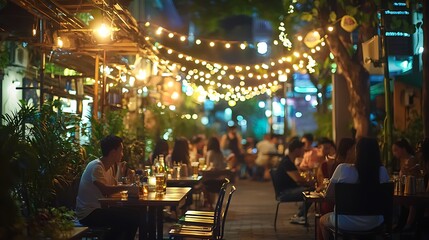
column 368, row 171
column 404, row 152
column 161, row 148
column 180, row 154
column 215, row 158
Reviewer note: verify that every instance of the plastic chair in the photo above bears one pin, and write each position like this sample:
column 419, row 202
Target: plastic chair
column 351, row 199
column 213, row 231
column 274, row 179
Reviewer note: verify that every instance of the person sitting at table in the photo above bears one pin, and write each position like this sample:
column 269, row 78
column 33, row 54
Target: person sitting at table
column 97, row 182
column 408, row 165
column 314, row 157
column 368, row 171
column 415, row 214
column 345, row 154
column 180, row 156
column 214, row 158
column 161, row 148
column 264, row 161
column 197, row 148
column 292, row 184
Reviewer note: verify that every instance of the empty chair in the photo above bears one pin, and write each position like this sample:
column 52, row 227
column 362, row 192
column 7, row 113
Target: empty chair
column 221, row 194
column 209, row 231
column 350, row 200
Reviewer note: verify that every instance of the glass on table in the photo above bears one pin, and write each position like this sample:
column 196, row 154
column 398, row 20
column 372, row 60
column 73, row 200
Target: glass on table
column 124, row 194
column 195, row 169
column 159, row 185
column 325, row 184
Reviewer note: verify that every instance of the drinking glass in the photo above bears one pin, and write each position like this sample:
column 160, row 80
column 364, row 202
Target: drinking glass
column 124, row 194
column 159, row 185
column 195, row 169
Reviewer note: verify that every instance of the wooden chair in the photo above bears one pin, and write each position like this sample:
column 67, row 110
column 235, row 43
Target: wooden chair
column 208, row 231
column 351, row 199
column 276, row 185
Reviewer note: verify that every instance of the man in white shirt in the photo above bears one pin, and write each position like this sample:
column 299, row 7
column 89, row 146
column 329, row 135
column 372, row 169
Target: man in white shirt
column 96, row 182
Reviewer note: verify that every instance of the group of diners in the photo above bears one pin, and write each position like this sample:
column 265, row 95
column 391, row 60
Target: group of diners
column 101, row 176
column 307, row 168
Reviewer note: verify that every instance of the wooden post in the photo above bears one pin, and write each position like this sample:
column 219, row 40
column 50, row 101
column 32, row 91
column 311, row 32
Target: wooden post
column 96, row 78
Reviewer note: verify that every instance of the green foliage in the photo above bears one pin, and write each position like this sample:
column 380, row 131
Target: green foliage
column 324, row 123
column 39, row 155
column 414, row 131
column 111, row 124
column 4, row 58
column 51, row 223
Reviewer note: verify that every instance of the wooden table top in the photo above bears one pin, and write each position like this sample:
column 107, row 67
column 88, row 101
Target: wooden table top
column 173, row 196
column 183, row 181
column 412, row 199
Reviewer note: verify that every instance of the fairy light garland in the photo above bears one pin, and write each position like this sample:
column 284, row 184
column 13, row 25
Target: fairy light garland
column 182, row 38
column 217, row 76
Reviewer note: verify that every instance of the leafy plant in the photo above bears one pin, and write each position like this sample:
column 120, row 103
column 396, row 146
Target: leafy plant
column 51, row 223
column 46, row 155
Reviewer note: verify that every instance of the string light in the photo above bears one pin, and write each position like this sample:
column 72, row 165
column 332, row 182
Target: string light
column 159, row 30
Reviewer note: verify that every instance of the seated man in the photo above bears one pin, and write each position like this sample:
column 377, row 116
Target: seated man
column 98, row 181
column 292, row 183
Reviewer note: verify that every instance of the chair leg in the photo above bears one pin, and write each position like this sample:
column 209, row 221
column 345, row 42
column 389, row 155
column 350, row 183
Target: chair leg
column 275, row 218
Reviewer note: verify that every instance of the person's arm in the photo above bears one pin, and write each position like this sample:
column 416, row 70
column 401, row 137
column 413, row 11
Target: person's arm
column 299, row 179
column 320, row 176
column 107, row 190
column 223, row 142
column 240, row 146
column 330, row 191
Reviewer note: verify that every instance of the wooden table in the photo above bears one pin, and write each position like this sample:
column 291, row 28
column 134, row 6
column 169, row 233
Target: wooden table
column 183, row 181
column 74, row 233
column 151, row 207
column 412, row 199
column 317, row 199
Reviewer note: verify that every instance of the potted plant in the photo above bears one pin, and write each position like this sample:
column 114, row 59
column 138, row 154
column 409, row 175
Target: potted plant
column 47, row 158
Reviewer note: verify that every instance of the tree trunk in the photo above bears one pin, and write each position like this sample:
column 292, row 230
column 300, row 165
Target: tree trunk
column 357, row 82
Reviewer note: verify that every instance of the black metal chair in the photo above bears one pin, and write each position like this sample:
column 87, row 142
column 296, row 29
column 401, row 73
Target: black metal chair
column 221, row 194
column 352, row 199
column 276, row 184
column 210, row 229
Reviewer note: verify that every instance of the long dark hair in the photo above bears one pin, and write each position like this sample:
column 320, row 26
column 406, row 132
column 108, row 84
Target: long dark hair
column 213, row 144
column 180, row 153
column 368, row 161
column 343, row 147
column 161, row 147
column 403, row 143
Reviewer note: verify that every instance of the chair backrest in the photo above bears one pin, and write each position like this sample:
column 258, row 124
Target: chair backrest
column 225, row 212
column 221, row 197
column 352, row 199
column 275, row 180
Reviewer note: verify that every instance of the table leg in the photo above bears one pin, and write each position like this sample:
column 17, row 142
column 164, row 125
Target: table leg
column 143, row 226
column 152, row 223
column 159, row 223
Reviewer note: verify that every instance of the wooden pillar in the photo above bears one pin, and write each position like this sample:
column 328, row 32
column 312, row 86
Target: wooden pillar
column 96, row 78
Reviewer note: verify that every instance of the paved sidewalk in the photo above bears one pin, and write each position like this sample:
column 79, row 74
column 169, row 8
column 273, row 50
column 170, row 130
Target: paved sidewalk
column 252, row 210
